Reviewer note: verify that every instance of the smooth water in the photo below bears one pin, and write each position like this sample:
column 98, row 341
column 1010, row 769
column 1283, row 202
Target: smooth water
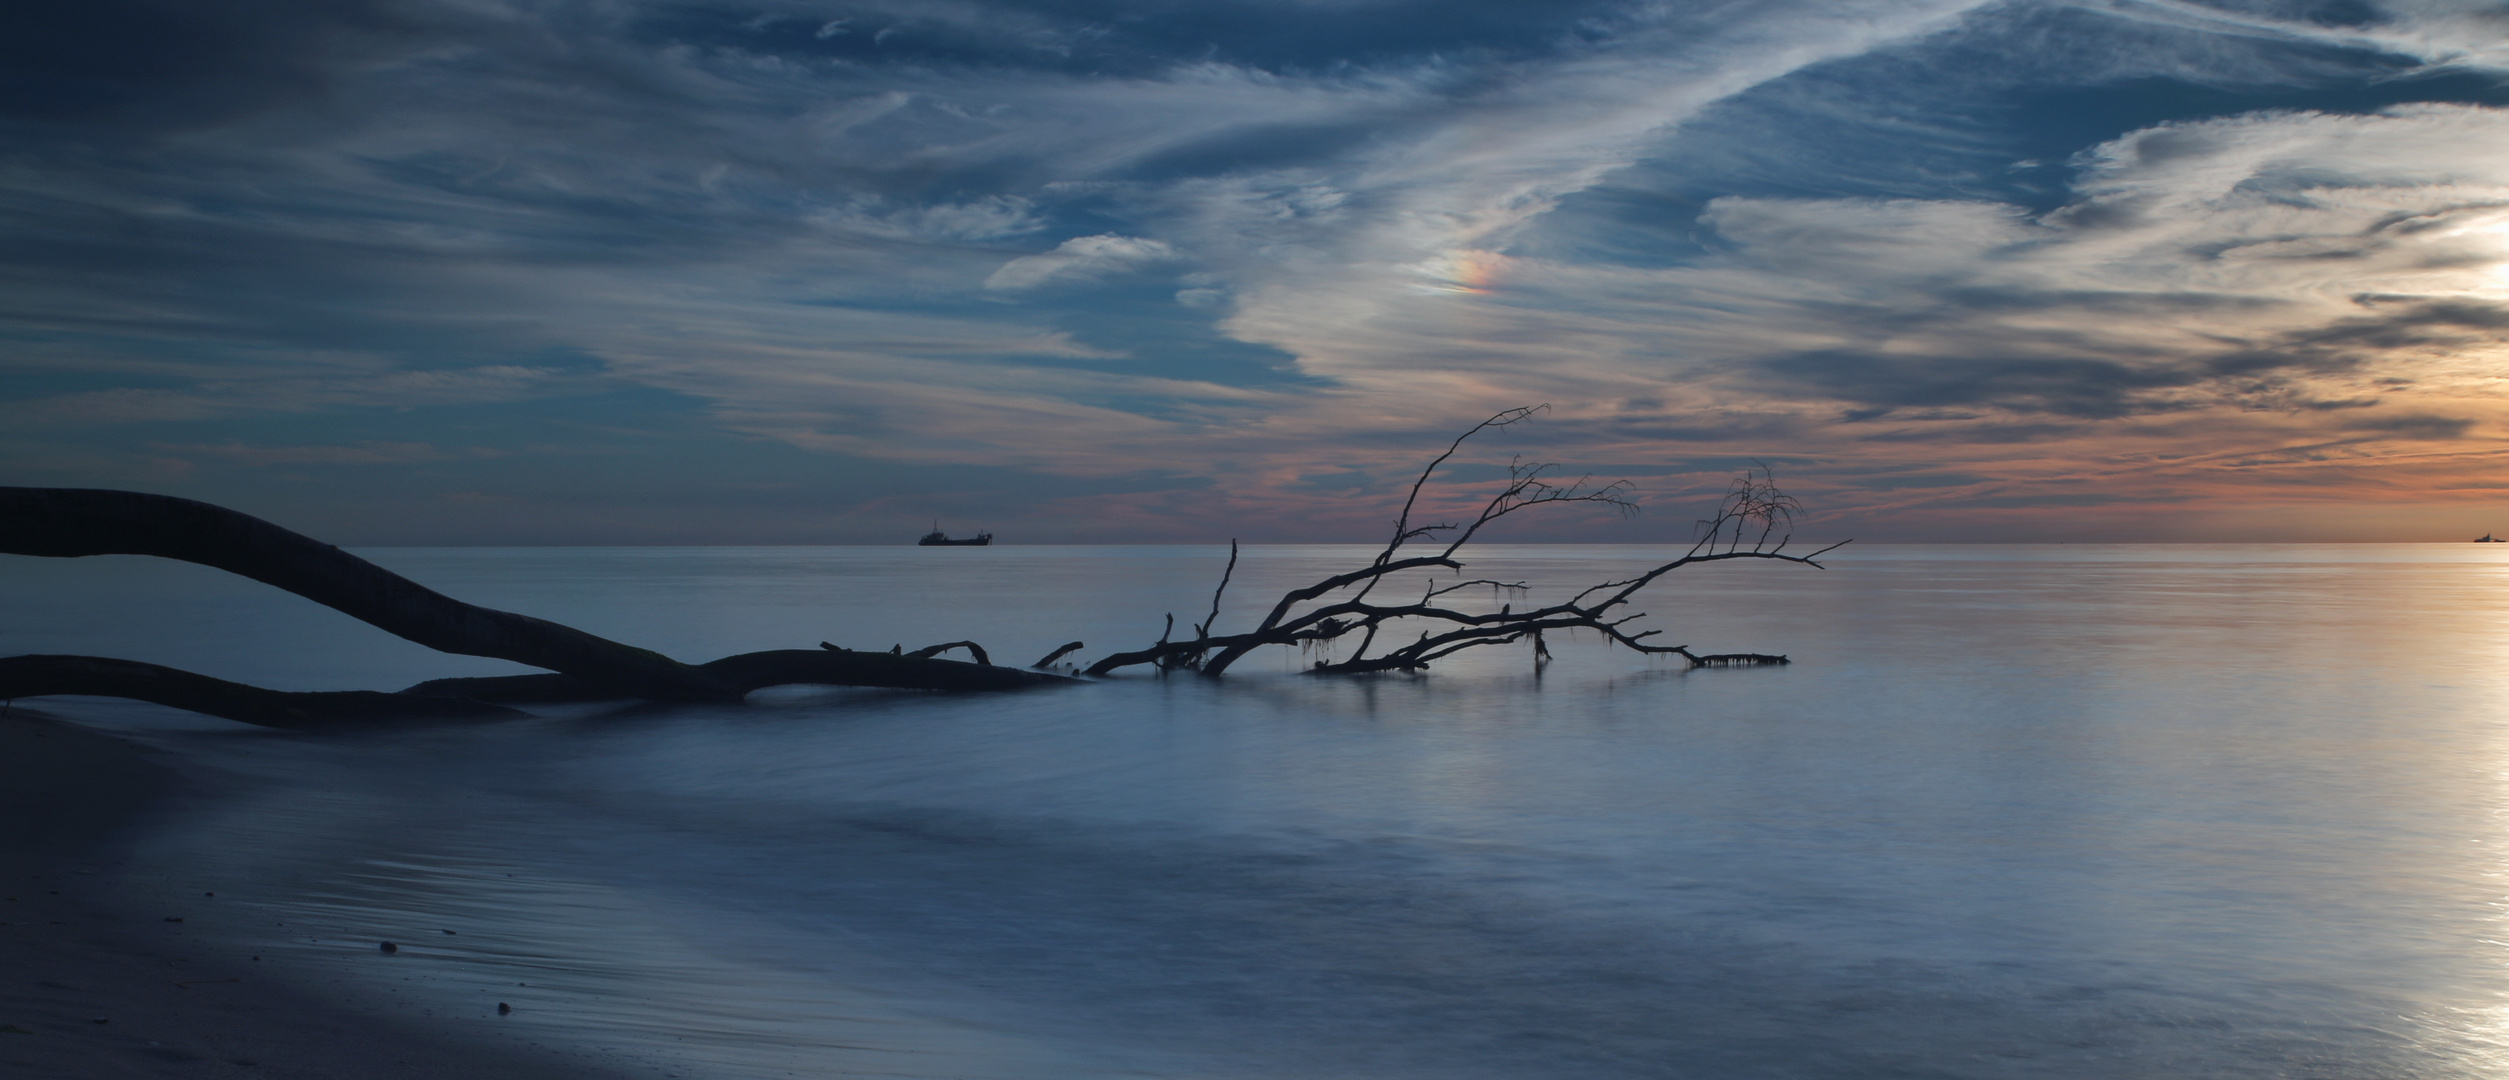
column 2062, row 811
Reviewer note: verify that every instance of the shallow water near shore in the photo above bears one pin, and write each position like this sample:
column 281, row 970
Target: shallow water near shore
column 2015, row 811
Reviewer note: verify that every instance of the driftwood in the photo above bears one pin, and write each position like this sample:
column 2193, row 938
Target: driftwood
column 70, row 523
column 40, row 676
column 825, row 666
column 75, row 522
column 1747, row 524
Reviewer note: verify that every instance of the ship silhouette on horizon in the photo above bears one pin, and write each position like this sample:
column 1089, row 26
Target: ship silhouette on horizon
column 937, row 538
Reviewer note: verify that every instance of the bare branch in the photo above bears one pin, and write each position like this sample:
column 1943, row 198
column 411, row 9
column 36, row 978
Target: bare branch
column 1510, row 586
column 1749, row 522
column 930, row 651
column 1402, row 521
column 1057, row 654
column 1204, row 628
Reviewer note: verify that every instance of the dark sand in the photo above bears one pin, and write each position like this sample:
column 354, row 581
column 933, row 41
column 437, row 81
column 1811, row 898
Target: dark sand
column 91, row 988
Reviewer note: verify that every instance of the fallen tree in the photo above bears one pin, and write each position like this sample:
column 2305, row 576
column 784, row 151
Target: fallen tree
column 72, row 522
column 1747, row 524
column 96, row 676
column 76, row 522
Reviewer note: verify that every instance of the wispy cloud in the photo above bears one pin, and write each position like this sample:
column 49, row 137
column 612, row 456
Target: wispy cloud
column 1943, row 253
column 1081, row 259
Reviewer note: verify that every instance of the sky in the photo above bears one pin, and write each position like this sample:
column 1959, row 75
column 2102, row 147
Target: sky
column 1089, row 271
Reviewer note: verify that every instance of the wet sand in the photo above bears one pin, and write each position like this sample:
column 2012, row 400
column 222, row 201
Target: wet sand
column 91, row 987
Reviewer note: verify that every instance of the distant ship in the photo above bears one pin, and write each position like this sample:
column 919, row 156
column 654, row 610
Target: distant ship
column 2488, row 538
column 937, row 538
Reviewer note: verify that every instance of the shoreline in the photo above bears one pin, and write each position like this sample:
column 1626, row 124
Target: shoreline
column 90, row 987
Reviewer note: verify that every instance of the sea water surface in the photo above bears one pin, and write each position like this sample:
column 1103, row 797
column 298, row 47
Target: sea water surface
column 2014, row 811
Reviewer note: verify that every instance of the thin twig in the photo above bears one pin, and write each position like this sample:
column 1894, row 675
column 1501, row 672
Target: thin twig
column 1204, row 630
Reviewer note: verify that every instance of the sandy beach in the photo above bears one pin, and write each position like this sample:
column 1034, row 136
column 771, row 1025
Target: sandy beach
column 92, row 987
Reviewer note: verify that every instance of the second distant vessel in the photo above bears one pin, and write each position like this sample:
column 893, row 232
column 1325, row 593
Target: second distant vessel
column 937, row 538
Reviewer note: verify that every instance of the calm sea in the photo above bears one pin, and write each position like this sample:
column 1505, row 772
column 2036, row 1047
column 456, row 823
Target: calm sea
column 2051, row 811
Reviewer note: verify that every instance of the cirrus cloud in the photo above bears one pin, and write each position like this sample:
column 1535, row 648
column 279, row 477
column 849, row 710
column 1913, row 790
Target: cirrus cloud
column 1081, row 259
column 1940, row 254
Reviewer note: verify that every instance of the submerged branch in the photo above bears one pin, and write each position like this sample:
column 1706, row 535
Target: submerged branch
column 747, row 672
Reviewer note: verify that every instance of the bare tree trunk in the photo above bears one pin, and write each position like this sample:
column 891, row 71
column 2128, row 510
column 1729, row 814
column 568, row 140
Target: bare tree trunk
column 72, row 522
column 40, row 676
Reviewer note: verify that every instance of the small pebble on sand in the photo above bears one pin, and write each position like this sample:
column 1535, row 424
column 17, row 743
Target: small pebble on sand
column 390, row 947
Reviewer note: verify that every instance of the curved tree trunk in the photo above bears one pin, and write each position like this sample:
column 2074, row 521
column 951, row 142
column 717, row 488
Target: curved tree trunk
column 72, row 522
column 40, row 676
